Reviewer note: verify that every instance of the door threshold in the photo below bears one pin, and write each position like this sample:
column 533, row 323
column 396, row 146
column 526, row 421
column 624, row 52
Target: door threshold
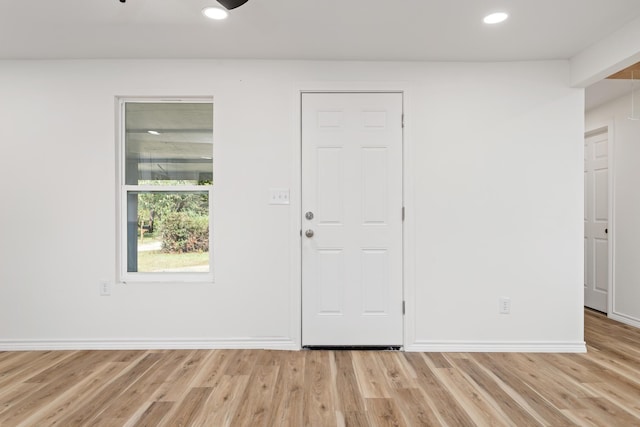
column 595, row 310
column 354, row 347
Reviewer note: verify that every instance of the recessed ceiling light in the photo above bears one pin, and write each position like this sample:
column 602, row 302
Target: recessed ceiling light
column 215, row 13
column 495, row 18
column 153, row 132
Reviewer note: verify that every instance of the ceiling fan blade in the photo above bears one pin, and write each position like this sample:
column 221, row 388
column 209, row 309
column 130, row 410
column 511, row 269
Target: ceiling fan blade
column 232, row 4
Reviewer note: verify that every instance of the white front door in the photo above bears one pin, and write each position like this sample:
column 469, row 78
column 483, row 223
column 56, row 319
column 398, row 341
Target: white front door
column 352, row 219
column 596, row 218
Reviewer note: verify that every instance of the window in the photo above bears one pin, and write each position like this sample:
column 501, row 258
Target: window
column 165, row 181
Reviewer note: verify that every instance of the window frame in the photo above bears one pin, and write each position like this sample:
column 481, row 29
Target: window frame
column 124, row 189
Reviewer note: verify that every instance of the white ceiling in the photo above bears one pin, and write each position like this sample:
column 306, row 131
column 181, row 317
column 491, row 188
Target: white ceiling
column 434, row 30
column 441, row 30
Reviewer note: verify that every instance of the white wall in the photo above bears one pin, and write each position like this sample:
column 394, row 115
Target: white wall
column 494, row 196
column 625, row 227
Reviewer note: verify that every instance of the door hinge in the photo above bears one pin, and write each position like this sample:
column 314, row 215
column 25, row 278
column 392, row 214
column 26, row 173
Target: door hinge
column 403, row 307
column 301, row 232
column 403, row 213
column 403, row 120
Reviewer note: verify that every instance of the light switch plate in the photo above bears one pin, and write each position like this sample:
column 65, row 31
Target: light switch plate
column 278, row 196
column 105, row 288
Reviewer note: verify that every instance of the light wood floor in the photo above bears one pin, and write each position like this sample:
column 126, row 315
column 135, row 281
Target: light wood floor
column 327, row 388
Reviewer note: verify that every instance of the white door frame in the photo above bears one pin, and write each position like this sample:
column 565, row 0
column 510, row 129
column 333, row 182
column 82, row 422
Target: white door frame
column 609, row 129
column 408, row 229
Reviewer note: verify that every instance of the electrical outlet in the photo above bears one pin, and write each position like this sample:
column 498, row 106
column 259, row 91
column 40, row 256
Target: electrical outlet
column 105, row 288
column 504, row 305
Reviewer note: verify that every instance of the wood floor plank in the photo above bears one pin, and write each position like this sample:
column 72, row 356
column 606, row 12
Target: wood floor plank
column 68, row 365
column 355, row 419
column 349, row 394
column 318, row 403
column 620, row 393
column 587, row 365
column 612, row 365
column 438, row 360
column 212, row 369
column 480, row 408
column 371, row 380
column 73, row 397
column 507, row 371
column 562, row 389
column 397, row 373
column 4, row 355
column 154, row 414
column 178, row 373
column 603, row 413
column 288, row 396
column 122, row 407
column 513, row 411
column 58, row 379
column 448, row 409
column 97, row 404
column 384, row 413
column 255, row 403
column 222, row 405
column 167, row 388
column 28, row 364
column 572, row 365
column 415, row 408
column 181, row 378
column 128, row 356
column 15, row 393
column 241, row 362
column 190, row 407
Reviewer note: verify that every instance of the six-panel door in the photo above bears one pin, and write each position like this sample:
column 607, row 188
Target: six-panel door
column 352, row 219
column 596, row 221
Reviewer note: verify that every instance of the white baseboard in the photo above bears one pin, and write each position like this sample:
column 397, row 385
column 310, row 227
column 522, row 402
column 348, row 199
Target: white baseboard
column 497, row 347
column 275, row 343
column 628, row 320
column 284, row 344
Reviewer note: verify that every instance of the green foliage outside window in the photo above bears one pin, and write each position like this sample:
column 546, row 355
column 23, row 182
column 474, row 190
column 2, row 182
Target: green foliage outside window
column 181, row 219
column 184, row 232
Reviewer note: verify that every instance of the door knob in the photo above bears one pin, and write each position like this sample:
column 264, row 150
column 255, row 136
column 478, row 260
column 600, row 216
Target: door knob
column 309, row 215
column 308, row 233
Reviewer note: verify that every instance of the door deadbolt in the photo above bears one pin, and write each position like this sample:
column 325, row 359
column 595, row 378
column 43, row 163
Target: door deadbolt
column 308, row 233
column 309, row 215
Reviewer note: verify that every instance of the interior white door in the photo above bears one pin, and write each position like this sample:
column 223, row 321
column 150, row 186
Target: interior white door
column 596, row 221
column 352, row 219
